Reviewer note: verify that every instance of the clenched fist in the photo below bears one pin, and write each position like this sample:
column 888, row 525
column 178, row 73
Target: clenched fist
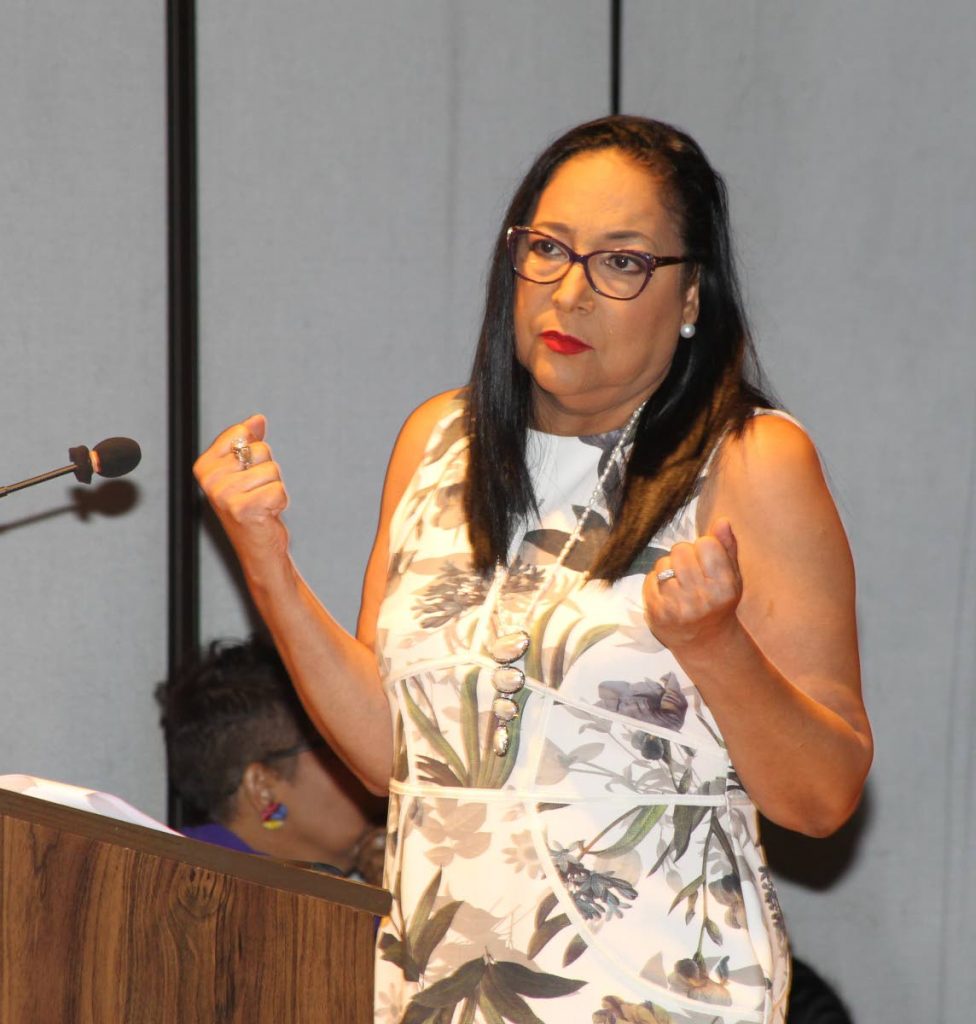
column 243, row 484
column 702, row 586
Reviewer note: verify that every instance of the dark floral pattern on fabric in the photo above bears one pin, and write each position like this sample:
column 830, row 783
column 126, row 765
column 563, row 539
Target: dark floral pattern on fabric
column 613, row 486
column 662, row 702
column 456, row 590
column 522, row 582
column 771, row 899
column 728, row 891
column 692, row 977
column 596, row 895
column 448, row 596
column 498, row 988
column 615, row 1011
column 592, row 538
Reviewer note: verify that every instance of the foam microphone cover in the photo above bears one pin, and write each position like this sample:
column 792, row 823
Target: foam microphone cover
column 117, row 456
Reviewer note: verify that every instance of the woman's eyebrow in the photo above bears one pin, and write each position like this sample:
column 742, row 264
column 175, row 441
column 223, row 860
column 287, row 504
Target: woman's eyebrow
column 624, row 235
column 618, row 235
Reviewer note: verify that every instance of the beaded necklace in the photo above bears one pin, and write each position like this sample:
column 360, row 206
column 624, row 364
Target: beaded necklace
column 511, row 643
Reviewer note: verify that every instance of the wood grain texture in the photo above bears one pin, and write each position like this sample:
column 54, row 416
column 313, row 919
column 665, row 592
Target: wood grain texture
column 97, row 930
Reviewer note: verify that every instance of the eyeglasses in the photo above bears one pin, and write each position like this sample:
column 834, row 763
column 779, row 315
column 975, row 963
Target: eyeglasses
column 278, row 755
column 614, row 273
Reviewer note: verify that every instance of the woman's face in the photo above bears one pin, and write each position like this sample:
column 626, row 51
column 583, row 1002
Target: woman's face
column 328, row 809
column 594, row 359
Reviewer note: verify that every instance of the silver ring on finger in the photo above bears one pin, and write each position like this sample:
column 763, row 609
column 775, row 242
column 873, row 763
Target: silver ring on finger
column 666, row 574
column 242, row 452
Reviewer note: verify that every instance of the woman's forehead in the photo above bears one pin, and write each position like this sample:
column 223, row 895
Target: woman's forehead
column 603, row 196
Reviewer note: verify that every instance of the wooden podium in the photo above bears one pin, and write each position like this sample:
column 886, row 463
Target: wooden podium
column 103, row 922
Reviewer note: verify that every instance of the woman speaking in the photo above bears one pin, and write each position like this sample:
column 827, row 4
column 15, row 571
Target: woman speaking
column 610, row 606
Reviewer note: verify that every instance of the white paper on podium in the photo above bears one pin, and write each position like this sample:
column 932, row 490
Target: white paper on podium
column 81, row 799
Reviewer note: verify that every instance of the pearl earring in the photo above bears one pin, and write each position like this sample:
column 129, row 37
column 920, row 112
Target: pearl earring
column 687, row 330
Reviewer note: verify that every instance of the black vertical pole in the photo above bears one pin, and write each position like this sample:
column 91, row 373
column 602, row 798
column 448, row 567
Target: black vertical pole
column 184, row 509
column 616, row 17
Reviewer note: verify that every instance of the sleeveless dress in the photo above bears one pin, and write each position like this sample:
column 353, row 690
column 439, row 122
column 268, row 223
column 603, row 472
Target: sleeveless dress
column 607, row 868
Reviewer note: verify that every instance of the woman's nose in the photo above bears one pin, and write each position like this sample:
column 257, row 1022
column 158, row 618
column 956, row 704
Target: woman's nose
column 573, row 290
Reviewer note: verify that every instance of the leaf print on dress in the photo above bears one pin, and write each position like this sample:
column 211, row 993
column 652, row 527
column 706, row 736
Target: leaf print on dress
column 453, row 829
column 564, row 651
column 597, row 896
column 412, row 942
column 592, row 538
column 711, row 886
column 447, row 768
column 499, row 988
column 475, row 764
column 522, row 856
column 583, row 554
column 624, row 760
column 451, row 593
column 554, row 765
column 623, row 779
column 692, row 975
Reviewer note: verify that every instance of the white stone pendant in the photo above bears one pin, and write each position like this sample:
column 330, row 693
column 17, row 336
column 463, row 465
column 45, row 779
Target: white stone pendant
column 509, row 647
column 499, row 742
column 504, row 709
column 508, row 679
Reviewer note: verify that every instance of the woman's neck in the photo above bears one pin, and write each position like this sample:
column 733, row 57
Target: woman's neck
column 551, row 415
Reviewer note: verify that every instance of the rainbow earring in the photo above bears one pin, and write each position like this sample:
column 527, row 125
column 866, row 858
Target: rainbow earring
column 273, row 816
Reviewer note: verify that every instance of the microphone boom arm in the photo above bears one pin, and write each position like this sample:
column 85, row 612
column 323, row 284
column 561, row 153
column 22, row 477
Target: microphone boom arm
column 4, row 491
column 115, row 456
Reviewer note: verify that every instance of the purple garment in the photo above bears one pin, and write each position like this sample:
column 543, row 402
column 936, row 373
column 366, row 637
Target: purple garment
column 218, row 835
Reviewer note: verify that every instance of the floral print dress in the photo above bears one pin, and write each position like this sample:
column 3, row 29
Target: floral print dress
column 607, row 868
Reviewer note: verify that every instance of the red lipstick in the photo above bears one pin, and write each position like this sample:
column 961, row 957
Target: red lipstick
column 564, row 344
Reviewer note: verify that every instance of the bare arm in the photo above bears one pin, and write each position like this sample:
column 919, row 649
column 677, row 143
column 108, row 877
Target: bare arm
column 334, row 673
column 761, row 616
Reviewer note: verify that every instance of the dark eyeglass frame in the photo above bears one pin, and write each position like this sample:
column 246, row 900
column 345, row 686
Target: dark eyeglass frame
column 650, row 261
column 279, row 755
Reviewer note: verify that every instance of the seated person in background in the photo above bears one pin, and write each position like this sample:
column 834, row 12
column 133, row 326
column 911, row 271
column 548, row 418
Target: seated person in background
column 242, row 751
column 812, row 1000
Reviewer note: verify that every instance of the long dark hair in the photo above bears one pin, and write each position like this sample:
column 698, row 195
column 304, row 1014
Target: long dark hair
column 710, row 389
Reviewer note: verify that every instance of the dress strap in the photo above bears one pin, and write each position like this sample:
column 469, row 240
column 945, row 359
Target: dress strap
column 757, row 411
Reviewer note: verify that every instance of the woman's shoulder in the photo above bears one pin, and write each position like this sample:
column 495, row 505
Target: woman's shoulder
column 439, row 407
column 422, row 428
column 770, row 434
column 770, row 443
column 771, row 462
column 427, row 419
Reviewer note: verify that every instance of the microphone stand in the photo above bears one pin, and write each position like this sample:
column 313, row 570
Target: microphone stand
column 81, row 466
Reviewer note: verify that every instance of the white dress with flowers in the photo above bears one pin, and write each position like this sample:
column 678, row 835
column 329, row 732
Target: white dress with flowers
column 607, row 868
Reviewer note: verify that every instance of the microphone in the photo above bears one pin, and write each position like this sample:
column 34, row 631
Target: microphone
column 115, row 456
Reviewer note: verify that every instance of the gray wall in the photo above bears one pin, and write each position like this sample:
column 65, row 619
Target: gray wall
column 349, row 197
column 352, row 171
column 83, row 336
column 848, row 136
